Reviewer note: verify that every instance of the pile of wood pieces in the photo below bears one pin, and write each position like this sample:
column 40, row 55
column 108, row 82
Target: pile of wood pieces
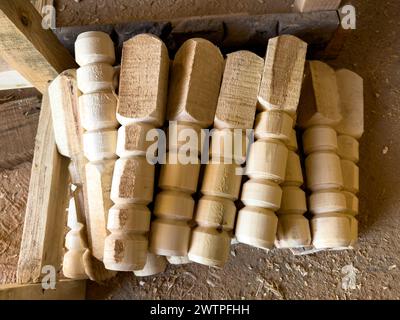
column 128, row 212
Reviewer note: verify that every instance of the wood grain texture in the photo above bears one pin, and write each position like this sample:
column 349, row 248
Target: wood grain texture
column 65, row 290
column 28, row 48
column 45, row 217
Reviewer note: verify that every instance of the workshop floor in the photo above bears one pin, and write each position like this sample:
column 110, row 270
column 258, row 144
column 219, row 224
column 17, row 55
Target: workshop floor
column 373, row 51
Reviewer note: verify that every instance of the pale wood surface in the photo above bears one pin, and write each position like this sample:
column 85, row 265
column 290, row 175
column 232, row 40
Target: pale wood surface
column 316, row 5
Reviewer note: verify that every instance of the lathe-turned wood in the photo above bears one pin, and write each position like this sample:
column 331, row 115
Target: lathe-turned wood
column 324, row 171
column 183, row 136
column 348, row 148
column 125, row 249
column 261, row 193
column 222, row 180
column 283, row 74
column 96, row 78
column 273, row 125
column 132, row 140
column 239, row 89
column 256, row 227
column 176, row 260
column 179, row 177
column 293, row 231
column 210, row 242
column 143, row 81
column 293, row 201
column 327, row 202
column 351, row 203
column 292, row 143
column 99, row 177
column 75, row 244
column 319, row 101
column 97, row 111
column 332, row 230
column 94, row 47
column 154, row 265
column 133, row 181
column 320, row 138
column 191, row 98
column 351, row 176
column 63, row 97
column 294, row 174
column 267, row 160
column 351, row 93
column 100, row 145
column 170, row 232
column 229, row 144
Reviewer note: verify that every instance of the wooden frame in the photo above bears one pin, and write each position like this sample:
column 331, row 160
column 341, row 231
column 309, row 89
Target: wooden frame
column 37, row 55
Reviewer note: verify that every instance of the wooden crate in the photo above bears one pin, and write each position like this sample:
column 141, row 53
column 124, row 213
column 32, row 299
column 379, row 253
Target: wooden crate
column 39, row 57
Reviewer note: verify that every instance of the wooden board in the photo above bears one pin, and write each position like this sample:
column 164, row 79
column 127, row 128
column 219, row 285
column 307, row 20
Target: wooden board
column 28, row 48
column 18, row 125
column 45, row 218
column 65, row 290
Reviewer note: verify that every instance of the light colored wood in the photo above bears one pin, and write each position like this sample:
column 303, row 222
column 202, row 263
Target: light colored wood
column 351, row 203
column 143, row 81
column 45, row 216
column 179, row 177
column 324, row 171
column 75, row 244
column 100, row 145
column 96, row 77
column 294, row 174
column 283, row 74
column 332, row 231
column 94, row 47
column 229, row 144
column 273, row 125
column 238, row 94
column 320, row 138
column 293, row 231
column 132, row 140
column 327, row 202
column 293, row 201
column 221, row 180
column 267, row 160
column 12, row 79
column 65, row 290
column 182, row 135
column 97, row 111
column 154, row 265
column 316, row 5
column 292, row 143
column 319, row 102
column 190, row 98
column 27, row 47
column 351, row 93
column 99, row 178
column 348, row 148
column 351, row 176
column 262, row 194
column 177, row 260
column 256, row 227
column 210, row 241
column 125, row 249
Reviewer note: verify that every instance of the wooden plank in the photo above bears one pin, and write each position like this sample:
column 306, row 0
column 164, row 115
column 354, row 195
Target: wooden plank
column 316, row 5
column 18, row 125
column 65, row 290
column 11, row 79
column 28, row 48
column 45, row 218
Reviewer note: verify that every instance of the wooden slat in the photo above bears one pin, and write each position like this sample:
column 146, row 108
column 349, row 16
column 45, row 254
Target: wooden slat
column 65, row 290
column 28, row 48
column 45, row 218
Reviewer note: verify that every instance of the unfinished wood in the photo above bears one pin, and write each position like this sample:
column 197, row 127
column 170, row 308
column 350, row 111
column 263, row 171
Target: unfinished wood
column 131, row 141
column 94, row 47
column 273, row 125
column 262, row 194
column 11, row 79
column 177, row 260
column 319, row 102
column 45, row 216
column 320, row 138
column 283, row 74
column 100, row 145
column 143, row 81
column 292, row 144
column 65, row 290
column 348, row 148
column 40, row 4
column 351, row 176
column 237, row 100
column 294, row 174
column 316, row 5
column 96, row 77
column 230, row 145
column 293, row 201
column 332, row 231
column 28, row 48
column 293, row 232
column 154, row 265
column 190, row 98
column 18, row 125
column 351, row 93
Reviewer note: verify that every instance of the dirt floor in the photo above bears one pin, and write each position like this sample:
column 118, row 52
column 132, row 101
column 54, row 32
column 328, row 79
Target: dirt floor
column 372, row 51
